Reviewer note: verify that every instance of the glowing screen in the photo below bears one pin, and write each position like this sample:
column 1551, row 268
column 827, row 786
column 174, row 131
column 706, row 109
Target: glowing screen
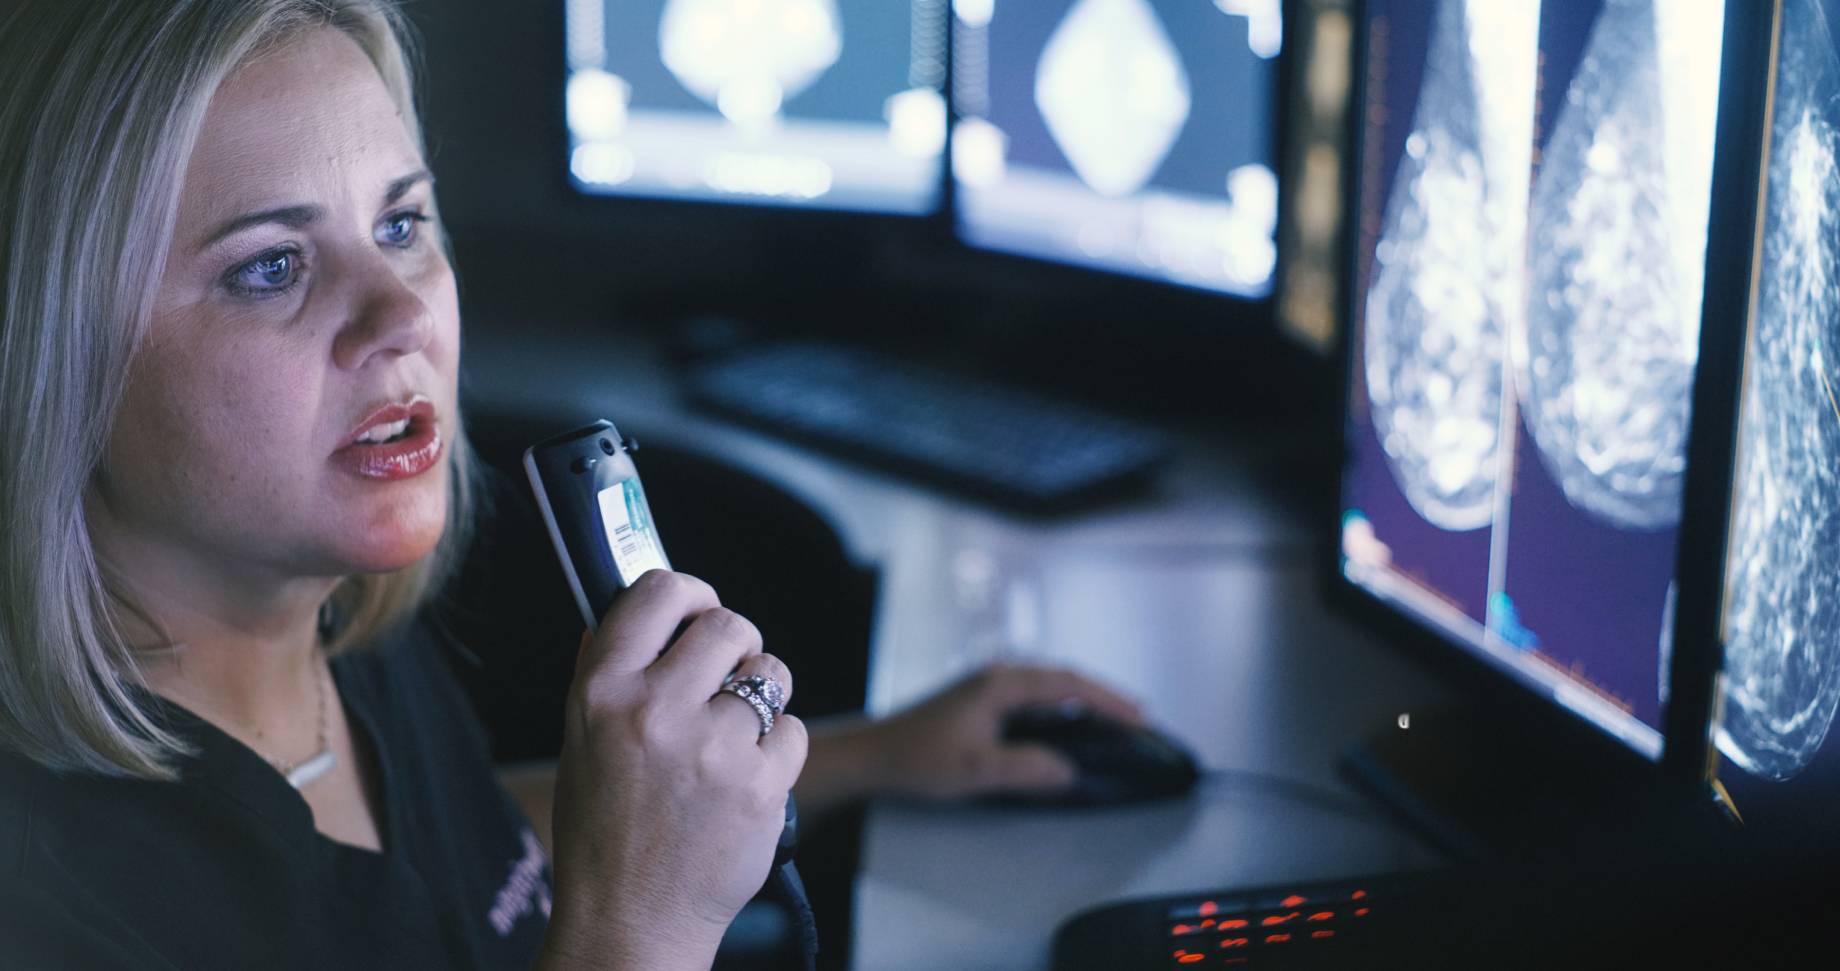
column 1129, row 135
column 1534, row 189
column 819, row 103
column 1781, row 681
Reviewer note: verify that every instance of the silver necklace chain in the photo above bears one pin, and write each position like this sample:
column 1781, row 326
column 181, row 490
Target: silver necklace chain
column 306, row 770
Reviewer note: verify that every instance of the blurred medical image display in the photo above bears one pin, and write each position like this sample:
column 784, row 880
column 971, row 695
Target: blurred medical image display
column 1133, row 136
column 1533, row 195
column 835, row 104
column 1781, row 681
column 1321, row 38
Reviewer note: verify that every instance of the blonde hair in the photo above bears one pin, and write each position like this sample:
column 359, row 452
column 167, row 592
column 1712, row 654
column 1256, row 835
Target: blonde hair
column 100, row 108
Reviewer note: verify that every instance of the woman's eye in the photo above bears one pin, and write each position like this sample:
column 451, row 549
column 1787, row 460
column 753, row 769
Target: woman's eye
column 268, row 274
column 399, row 230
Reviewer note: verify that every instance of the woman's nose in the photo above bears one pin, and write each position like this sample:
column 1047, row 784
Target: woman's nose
column 388, row 318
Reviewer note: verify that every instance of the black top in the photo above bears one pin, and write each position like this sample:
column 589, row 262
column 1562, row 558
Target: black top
column 224, row 869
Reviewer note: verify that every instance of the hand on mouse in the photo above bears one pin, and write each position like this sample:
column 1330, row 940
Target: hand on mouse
column 950, row 746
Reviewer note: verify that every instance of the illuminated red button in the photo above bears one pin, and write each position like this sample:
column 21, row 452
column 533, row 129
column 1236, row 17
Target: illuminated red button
column 1277, row 938
column 1293, row 900
column 1321, row 916
column 1234, row 924
column 1232, row 943
column 1191, row 959
column 1183, row 930
column 1190, row 912
column 1361, row 911
column 1276, row 919
column 1322, row 935
column 1358, row 895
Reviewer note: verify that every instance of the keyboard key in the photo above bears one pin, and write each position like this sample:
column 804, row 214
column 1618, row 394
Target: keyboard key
column 1285, row 901
column 1208, row 907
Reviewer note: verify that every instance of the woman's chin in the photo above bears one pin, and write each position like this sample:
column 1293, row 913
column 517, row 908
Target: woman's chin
column 390, row 557
column 395, row 542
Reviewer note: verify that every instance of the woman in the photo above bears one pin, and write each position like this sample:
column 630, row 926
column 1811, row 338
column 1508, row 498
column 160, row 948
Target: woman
column 231, row 469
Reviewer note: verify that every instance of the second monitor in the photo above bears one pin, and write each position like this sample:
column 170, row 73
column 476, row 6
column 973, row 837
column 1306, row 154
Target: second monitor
column 1125, row 135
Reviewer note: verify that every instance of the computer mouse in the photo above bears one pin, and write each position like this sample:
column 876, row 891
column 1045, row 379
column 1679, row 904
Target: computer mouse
column 1117, row 763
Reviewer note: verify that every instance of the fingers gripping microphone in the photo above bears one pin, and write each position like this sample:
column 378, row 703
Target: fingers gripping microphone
column 587, row 489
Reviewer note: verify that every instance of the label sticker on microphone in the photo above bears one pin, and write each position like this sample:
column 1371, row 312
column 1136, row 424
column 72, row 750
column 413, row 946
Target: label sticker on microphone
column 631, row 538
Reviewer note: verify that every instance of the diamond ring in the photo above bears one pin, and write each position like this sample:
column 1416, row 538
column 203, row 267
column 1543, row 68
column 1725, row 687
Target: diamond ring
column 765, row 695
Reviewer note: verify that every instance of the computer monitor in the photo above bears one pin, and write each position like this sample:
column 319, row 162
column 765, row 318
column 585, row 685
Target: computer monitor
column 1126, row 135
column 832, row 104
column 1780, row 686
column 1523, row 331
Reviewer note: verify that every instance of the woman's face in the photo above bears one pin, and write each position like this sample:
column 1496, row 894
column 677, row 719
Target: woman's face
column 306, row 304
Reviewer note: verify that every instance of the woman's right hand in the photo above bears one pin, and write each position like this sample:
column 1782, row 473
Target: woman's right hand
column 669, row 802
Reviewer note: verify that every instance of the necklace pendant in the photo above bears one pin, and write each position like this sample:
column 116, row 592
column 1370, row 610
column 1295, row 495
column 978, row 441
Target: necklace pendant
column 312, row 769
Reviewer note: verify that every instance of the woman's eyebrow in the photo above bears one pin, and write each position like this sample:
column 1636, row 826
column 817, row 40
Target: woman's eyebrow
column 293, row 217
column 401, row 187
column 298, row 217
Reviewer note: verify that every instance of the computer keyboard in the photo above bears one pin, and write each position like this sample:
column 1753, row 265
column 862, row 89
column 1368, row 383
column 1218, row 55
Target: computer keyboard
column 1306, row 926
column 1714, row 906
column 1008, row 446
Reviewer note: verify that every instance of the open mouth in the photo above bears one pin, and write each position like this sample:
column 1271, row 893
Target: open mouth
column 387, row 433
column 398, row 440
column 394, row 423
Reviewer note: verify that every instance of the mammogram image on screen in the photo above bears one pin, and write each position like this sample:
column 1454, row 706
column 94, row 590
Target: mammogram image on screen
column 819, row 103
column 1605, row 369
column 1589, row 282
column 1447, row 267
column 1782, row 620
column 1129, row 135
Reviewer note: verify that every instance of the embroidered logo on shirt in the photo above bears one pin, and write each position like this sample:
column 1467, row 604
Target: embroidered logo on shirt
column 524, row 891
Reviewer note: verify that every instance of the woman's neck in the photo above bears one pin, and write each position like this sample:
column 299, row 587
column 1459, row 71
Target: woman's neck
column 230, row 642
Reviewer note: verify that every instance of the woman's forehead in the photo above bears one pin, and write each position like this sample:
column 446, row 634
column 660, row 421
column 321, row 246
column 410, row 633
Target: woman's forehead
column 308, row 117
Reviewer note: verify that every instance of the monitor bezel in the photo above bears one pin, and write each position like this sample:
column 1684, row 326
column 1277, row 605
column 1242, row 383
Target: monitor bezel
column 1682, row 764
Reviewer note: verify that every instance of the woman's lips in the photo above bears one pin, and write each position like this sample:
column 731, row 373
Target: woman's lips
column 417, row 450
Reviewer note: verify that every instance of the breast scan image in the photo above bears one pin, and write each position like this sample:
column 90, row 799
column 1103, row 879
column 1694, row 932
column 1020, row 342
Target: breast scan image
column 1782, row 654
column 1446, row 276
column 1620, row 201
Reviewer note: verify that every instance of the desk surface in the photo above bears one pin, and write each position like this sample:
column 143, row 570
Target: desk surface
column 1198, row 600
